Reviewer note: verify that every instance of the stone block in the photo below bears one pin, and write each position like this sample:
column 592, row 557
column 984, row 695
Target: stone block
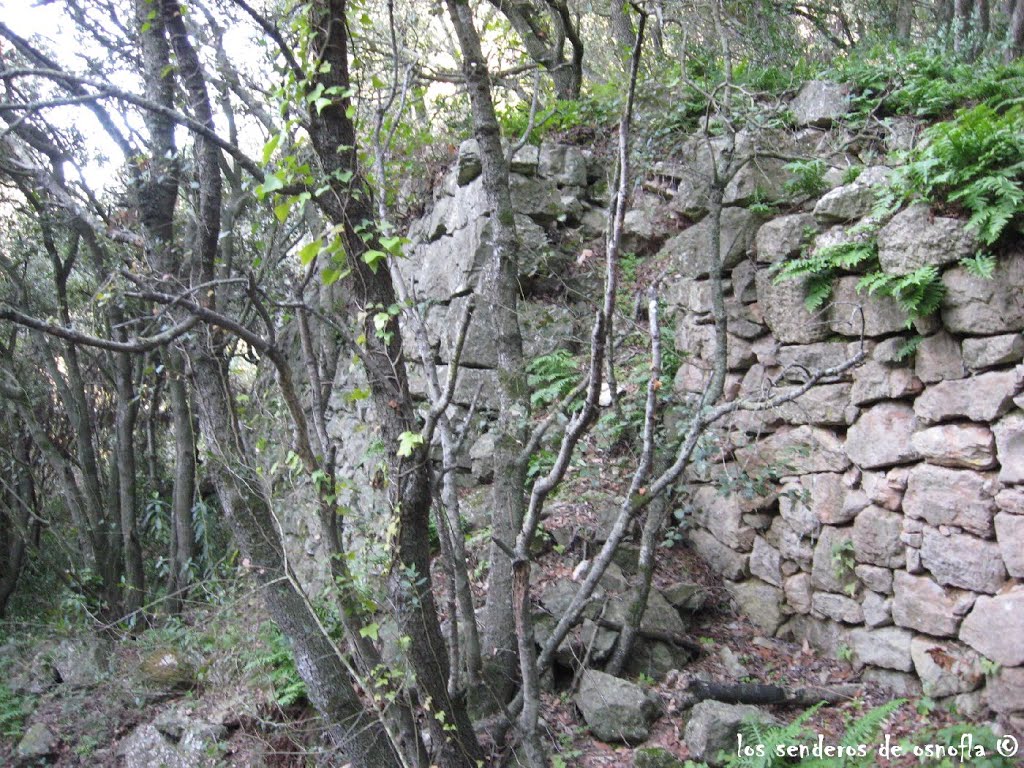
column 919, row 603
column 984, row 397
column 786, row 313
column 857, row 314
column 837, row 607
column 782, row 237
column 888, row 647
column 881, row 436
column 1009, row 434
column 916, row 238
column 943, row 496
column 960, row 560
column 829, row 571
column 759, row 602
column 1010, row 536
column 995, row 626
column 979, row 306
column 938, row 358
column 992, row 351
column 946, row 668
column 965, row 446
column 876, row 538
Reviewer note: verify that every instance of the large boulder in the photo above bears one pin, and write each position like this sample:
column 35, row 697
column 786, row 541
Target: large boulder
column 851, row 201
column 760, row 602
column 820, row 103
column 37, row 743
column 83, row 661
column 916, row 238
column 711, row 732
column 616, row 710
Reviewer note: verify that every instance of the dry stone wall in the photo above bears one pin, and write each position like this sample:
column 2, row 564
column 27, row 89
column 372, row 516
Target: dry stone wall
column 892, row 531
column 894, row 534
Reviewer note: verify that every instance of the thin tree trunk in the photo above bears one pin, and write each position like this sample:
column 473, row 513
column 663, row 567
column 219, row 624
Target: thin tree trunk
column 183, row 490
column 501, row 287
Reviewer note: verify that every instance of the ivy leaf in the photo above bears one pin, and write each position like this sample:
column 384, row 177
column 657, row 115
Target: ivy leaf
column 407, row 442
column 370, row 630
column 310, row 251
column 373, row 258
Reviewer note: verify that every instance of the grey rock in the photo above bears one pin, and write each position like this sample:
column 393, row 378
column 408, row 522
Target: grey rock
column 888, row 647
column 83, row 661
column 876, row 381
column 656, row 659
column 876, row 538
column 960, row 560
column 786, row 313
column 782, row 237
column 877, row 610
column 957, row 497
column 469, row 164
column 916, row 238
column 792, row 546
column 800, row 360
column 1010, row 536
column 797, row 451
column 686, row 597
column 945, row 667
column 563, row 163
column 995, row 627
column 795, row 510
column 537, row 198
column 1009, row 434
column 1011, row 500
column 723, row 517
column 984, row 397
column 990, row 351
column 828, row 572
column 824, row 405
column 688, row 252
column 760, row 602
column 895, row 683
column 37, row 742
column 723, row 560
column 919, row 603
column 855, row 313
column 851, row 201
column 799, row 592
column 830, row 637
column 167, row 668
column 713, row 727
column 979, row 306
column 616, row 710
column 875, row 578
column 655, row 757
column 1005, row 691
column 146, row 746
column 837, row 607
column 766, row 562
column 881, row 436
column 820, row 103
column 525, row 160
column 966, row 446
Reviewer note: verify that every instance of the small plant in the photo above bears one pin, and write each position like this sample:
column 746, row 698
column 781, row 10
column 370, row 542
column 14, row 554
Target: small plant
column 843, row 560
column 844, row 653
column 278, row 663
column 807, row 177
column 551, row 377
column 13, row 711
column 989, row 668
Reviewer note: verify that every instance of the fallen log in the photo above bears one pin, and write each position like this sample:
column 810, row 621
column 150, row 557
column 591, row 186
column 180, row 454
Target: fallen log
column 760, row 693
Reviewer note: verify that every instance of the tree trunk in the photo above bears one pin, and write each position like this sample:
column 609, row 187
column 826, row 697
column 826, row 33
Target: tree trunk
column 501, row 287
column 183, row 490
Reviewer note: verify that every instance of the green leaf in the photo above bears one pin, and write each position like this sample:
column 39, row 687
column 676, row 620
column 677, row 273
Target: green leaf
column 373, row 258
column 271, row 183
column 270, row 146
column 310, row 251
column 407, row 442
column 331, row 275
column 371, row 631
column 377, row 82
column 283, row 210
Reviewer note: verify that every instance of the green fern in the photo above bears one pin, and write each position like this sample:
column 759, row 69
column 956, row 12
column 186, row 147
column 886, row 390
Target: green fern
column 771, row 738
column 981, row 265
column 919, row 294
column 551, row 377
